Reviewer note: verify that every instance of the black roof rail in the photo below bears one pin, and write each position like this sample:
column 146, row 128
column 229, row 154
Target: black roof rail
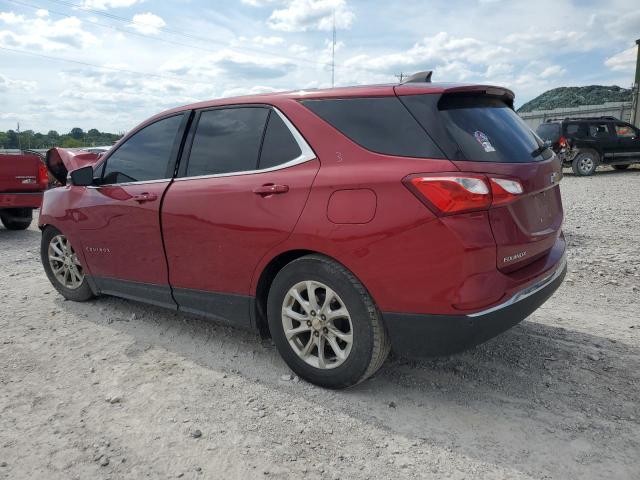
column 420, row 77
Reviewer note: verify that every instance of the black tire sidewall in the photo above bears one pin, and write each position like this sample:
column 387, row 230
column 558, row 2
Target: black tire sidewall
column 80, row 294
column 352, row 370
column 26, row 213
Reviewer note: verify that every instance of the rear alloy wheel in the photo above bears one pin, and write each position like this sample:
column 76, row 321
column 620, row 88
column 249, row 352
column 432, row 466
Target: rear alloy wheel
column 324, row 323
column 585, row 163
column 621, row 167
column 317, row 325
column 62, row 266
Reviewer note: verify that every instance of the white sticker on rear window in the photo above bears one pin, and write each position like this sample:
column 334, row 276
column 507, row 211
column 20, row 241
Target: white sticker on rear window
column 484, row 141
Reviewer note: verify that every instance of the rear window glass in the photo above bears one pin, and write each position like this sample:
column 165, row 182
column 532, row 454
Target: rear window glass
column 549, row 131
column 477, row 128
column 577, row 130
column 380, row 124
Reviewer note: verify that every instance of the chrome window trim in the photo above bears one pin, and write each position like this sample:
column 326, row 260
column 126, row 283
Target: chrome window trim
column 527, row 292
column 141, row 182
column 306, row 154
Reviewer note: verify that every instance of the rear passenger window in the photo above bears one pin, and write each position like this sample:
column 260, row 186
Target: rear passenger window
column 382, row 125
column 598, row 130
column 227, row 140
column 278, row 146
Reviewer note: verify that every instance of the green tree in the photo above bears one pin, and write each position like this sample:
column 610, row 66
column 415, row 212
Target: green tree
column 76, row 133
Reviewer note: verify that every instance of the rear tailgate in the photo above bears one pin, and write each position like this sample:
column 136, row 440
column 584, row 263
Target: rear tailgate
column 527, row 228
column 480, row 133
column 19, row 173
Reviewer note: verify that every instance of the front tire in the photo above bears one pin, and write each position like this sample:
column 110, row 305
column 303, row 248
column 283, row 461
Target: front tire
column 325, row 324
column 17, row 218
column 62, row 266
column 585, row 163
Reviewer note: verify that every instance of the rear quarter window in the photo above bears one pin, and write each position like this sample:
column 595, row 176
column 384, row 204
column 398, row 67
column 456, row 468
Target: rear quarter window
column 380, row 124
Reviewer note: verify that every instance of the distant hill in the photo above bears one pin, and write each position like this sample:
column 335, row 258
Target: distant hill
column 565, row 97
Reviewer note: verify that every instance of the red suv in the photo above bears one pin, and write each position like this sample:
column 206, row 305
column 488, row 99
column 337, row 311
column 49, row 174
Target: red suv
column 343, row 222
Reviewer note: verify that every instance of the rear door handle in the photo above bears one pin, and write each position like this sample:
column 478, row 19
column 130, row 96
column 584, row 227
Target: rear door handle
column 270, row 189
column 145, row 197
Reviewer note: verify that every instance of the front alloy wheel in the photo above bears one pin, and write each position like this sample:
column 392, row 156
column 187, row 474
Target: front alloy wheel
column 64, row 263
column 62, row 266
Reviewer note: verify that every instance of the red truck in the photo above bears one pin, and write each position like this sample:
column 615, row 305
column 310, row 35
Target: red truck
column 23, row 179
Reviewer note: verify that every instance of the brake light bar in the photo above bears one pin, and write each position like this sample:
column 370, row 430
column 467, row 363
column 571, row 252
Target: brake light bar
column 448, row 194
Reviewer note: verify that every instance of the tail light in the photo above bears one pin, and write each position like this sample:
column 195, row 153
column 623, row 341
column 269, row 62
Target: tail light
column 448, row 194
column 43, row 176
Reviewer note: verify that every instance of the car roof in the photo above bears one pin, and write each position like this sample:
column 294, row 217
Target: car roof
column 345, row 92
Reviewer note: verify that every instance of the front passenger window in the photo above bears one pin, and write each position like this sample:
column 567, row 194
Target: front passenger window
column 625, row 131
column 146, row 155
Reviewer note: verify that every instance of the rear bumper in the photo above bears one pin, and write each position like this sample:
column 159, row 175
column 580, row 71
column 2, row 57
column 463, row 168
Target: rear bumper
column 419, row 335
column 21, row 200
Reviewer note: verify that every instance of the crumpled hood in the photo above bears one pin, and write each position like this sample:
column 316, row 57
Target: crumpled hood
column 61, row 161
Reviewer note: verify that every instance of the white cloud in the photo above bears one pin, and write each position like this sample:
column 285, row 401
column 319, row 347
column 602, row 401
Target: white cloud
column 42, row 33
column 148, row 23
column 8, row 84
column 106, row 4
column 304, row 15
column 552, row 71
column 624, row 61
column 260, row 3
column 41, row 12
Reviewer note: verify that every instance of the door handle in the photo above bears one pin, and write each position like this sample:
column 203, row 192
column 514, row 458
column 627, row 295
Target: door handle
column 270, row 189
column 145, row 197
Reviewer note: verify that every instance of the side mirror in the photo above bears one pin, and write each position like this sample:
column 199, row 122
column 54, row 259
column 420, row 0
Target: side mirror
column 82, row 177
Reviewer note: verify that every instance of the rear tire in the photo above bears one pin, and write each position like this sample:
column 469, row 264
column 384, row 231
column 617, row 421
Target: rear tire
column 72, row 286
column 348, row 322
column 585, row 163
column 17, row 218
column 621, row 167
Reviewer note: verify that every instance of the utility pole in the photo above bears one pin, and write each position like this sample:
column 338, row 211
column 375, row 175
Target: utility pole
column 333, row 52
column 401, row 76
column 19, row 144
column 635, row 109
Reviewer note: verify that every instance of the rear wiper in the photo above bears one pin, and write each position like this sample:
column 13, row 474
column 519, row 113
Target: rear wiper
column 540, row 149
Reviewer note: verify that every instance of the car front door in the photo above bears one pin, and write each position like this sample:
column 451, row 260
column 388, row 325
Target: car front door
column 628, row 143
column 120, row 231
column 243, row 182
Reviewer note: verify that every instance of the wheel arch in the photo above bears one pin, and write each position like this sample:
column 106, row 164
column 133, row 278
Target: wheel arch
column 268, row 274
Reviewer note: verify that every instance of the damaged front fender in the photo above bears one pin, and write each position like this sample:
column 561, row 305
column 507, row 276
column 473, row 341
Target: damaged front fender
column 61, row 161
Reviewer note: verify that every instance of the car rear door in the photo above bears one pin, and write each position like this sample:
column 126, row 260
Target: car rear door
column 243, row 181
column 627, row 142
column 119, row 218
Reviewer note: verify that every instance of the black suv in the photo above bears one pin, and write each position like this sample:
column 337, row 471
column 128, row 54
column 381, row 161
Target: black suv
column 585, row 143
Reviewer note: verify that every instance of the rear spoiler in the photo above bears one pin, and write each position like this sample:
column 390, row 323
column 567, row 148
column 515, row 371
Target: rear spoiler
column 61, row 161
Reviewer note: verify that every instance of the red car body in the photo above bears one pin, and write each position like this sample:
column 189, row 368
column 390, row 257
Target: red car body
column 211, row 245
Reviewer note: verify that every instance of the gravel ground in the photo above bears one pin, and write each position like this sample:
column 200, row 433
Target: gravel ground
column 114, row 389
